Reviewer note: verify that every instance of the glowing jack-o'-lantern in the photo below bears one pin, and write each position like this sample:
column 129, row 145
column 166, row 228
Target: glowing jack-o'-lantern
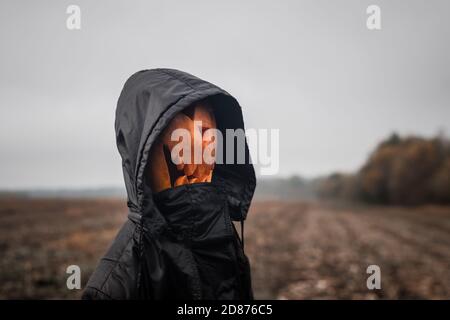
column 163, row 171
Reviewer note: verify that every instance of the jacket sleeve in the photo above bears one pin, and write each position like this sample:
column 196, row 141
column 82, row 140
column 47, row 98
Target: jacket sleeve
column 115, row 275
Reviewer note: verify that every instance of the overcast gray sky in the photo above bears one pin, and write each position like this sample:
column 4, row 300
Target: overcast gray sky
column 310, row 68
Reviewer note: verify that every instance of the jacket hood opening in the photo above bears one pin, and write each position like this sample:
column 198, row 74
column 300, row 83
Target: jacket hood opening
column 149, row 100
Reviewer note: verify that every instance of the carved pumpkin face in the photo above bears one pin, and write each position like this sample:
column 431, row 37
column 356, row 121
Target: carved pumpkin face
column 174, row 163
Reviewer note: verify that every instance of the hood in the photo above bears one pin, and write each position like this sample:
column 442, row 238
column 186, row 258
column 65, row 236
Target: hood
column 148, row 102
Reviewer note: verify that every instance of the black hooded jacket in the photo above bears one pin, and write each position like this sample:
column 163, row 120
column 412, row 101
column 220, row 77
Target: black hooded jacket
column 179, row 243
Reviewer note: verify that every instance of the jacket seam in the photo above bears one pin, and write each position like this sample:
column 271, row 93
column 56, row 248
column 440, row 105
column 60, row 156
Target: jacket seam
column 177, row 78
column 100, row 291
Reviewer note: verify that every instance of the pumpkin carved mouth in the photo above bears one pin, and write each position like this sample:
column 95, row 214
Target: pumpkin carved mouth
column 169, row 167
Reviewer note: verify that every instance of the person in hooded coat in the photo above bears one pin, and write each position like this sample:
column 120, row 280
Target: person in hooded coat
column 178, row 243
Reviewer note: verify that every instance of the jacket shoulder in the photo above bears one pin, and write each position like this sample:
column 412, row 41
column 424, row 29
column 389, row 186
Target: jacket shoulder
column 115, row 275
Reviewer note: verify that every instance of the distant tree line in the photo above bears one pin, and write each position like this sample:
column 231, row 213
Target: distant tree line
column 401, row 171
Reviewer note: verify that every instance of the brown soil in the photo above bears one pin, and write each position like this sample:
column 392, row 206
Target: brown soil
column 297, row 250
